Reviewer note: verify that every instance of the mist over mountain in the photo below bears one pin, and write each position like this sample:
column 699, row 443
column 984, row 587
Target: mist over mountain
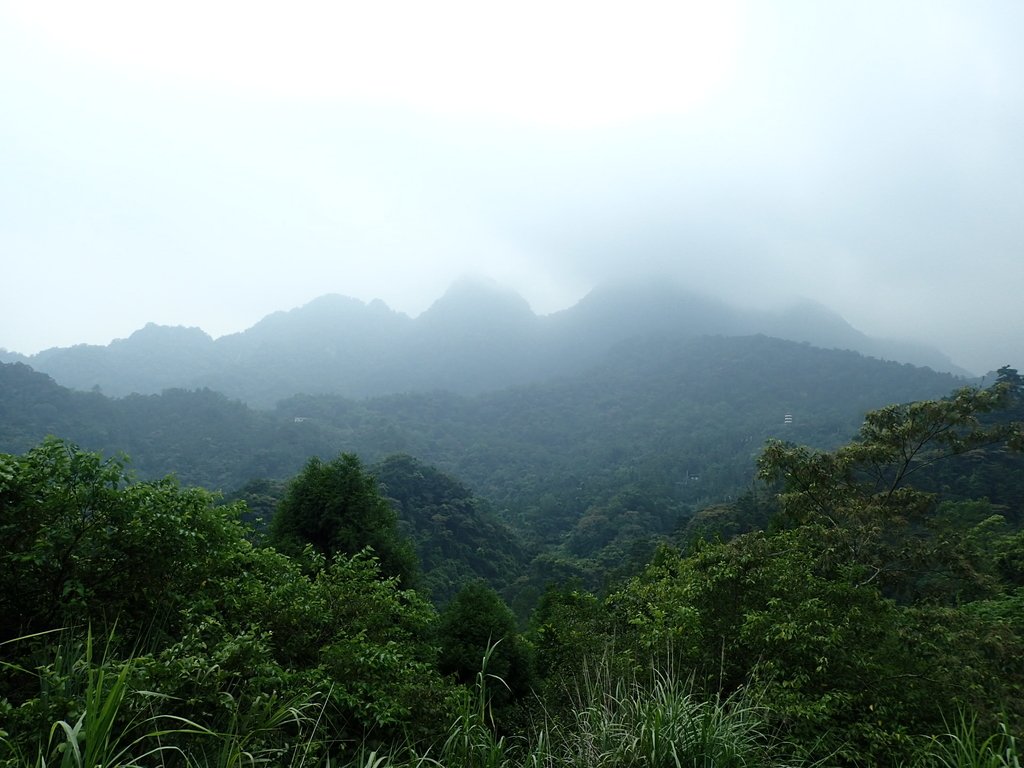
column 477, row 337
column 590, row 469
column 668, row 403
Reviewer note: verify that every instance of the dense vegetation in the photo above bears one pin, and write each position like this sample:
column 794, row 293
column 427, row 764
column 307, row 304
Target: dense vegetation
column 589, row 471
column 879, row 607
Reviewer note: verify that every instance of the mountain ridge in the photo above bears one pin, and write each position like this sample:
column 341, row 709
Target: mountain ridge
column 479, row 336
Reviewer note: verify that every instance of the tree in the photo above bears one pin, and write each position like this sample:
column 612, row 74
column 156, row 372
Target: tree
column 80, row 542
column 863, row 618
column 474, row 621
column 841, row 670
column 342, row 635
column 216, row 629
column 337, row 508
column 1011, row 378
column 457, row 538
column 894, row 443
column 860, row 496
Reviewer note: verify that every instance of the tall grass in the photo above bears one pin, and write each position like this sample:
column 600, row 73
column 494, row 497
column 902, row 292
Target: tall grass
column 472, row 741
column 98, row 737
column 102, row 733
column 619, row 723
column 661, row 721
column 255, row 736
column 658, row 720
column 964, row 747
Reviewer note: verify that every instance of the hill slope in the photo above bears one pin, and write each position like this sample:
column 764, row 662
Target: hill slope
column 478, row 337
column 589, row 470
column 660, row 409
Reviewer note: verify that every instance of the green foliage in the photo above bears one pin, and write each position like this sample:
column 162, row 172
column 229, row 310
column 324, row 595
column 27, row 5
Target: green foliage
column 471, row 740
column 852, row 619
column 681, row 418
column 476, row 625
column 591, row 471
column 568, row 630
column 201, row 436
column 458, row 540
column 860, row 497
column 760, row 610
column 663, row 721
column 95, row 733
column 103, row 718
column 338, row 508
column 836, row 663
column 752, row 511
column 964, row 747
column 222, row 632
column 260, row 499
column 80, row 543
column 92, row 741
column 631, row 722
column 344, row 630
column 621, row 722
column 881, row 603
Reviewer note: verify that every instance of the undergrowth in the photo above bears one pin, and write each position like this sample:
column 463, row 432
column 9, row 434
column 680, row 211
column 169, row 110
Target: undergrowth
column 660, row 720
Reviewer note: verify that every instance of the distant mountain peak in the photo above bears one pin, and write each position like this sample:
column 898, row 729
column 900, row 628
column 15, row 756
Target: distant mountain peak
column 644, row 305
column 154, row 333
column 478, row 336
column 325, row 306
column 478, row 299
column 330, row 309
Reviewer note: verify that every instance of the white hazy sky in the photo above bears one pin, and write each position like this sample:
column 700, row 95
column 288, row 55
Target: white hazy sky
column 207, row 163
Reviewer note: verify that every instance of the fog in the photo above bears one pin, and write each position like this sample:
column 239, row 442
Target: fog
column 221, row 161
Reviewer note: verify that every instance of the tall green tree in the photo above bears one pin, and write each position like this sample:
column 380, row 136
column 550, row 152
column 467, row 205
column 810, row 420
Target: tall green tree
column 216, row 628
column 864, row 497
column 862, row 619
column 477, row 620
column 457, row 538
column 337, row 508
column 80, row 542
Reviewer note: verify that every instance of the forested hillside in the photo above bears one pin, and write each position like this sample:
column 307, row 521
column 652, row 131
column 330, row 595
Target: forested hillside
column 684, row 416
column 687, row 403
column 201, row 436
column 590, row 471
column 512, row 385
column 875, row 619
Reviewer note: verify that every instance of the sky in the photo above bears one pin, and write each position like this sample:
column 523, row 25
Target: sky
column 206, row 163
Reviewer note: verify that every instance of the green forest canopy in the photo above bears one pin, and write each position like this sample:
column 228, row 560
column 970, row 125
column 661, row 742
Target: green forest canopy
column 870, row 615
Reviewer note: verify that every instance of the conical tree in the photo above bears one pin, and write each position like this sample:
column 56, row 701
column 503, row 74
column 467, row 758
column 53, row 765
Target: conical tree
column 337, row 507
